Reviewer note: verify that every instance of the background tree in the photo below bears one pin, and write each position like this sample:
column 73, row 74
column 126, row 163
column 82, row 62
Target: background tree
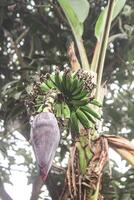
column 33, row 39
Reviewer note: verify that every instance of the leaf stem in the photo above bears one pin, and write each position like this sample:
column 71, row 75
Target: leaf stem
column 105, row 37
column 82, row 53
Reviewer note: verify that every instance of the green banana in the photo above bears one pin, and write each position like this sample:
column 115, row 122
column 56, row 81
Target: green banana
column 82, row 94
column 64, row 82
column 74, row 85
column 74, row 122
column 96, row 103
column 68, row 83
column 62, row 110
column 83, row 119
column 74, row 75
column 83, row 140
column 66, row 111
column 81, row 102
column 88, row 153
column 40, row 109
column 58, row 80
column 58, row 109
column 39, row 100
column 78, row 89
column 52, row 78
column 91, row 111
column 87, row 114
column 44, row 87
column 82, row 158
column 50, row 84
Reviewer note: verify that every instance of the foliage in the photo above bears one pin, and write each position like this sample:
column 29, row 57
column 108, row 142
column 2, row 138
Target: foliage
column 33, row 37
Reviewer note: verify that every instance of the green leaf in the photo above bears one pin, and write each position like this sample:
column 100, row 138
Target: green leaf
column 81, row 9
column 119, row 4
column 76, row 13
column 99, row 28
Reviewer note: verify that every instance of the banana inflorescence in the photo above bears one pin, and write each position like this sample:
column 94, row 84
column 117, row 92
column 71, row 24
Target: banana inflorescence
column 73, row 100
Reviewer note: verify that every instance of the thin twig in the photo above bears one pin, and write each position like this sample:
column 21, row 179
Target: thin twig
column 22, row 35
column 118, row 36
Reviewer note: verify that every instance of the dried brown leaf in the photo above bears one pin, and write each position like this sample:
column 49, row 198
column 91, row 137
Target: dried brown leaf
column 75, row 65
column 122, row 146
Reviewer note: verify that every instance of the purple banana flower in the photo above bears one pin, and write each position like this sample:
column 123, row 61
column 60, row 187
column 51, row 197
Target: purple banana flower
column 45, row 137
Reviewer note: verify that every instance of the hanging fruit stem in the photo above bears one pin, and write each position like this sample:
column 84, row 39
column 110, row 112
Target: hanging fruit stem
column 48, row 107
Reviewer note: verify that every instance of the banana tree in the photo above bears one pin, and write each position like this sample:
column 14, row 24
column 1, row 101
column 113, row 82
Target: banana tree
column 75, row 96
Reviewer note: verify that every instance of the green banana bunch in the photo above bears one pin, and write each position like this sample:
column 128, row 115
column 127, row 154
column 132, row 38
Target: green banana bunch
column 67, row 83
column 84, row 115
column 73, row 102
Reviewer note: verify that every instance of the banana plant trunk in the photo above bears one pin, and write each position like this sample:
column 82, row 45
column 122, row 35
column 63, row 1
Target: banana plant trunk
column 89, row 153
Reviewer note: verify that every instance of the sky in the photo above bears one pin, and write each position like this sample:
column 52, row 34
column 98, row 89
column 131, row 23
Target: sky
column 19, row 187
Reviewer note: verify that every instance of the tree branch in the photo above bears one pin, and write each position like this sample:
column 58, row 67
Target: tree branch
column 118, row 36
column 22, row 35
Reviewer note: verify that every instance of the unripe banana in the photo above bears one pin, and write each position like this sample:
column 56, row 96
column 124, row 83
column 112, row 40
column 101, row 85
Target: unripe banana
column 58, row 110
column 40, row 109
column 64, row 83
column 96, row 103
column 82, row 158
column 81, row 102
column 83, row 119
column 68, row 83
column 87, row 114
column 50, row 84
column 78, row 89
column 91, row 111
column 82, row 94
column 74, row 122
column 88, row 152
column 66, row 111
column 58, row 80
column 74, row 85
column 44, row 87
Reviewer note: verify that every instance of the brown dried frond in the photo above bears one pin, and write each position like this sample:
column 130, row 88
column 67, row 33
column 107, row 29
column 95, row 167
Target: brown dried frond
column 124, row 147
